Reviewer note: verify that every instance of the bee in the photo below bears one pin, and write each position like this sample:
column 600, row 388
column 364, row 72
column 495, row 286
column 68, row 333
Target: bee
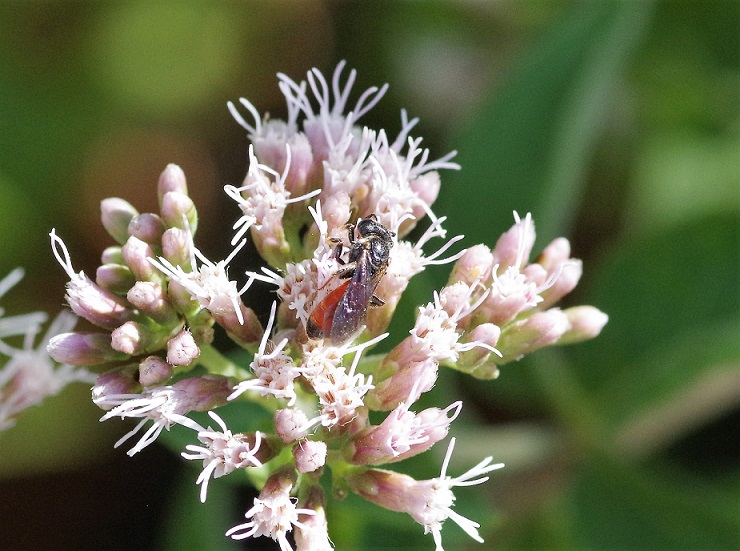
column 341, row 313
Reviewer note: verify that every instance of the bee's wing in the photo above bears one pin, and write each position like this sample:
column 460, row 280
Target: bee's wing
column 352, row 309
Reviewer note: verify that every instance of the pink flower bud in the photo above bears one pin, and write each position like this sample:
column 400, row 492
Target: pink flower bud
column 181, row 299
column 569, row 274
column 203, row 393
column 586, row 323
column 171, row 179
column 115, row 278
column 178, row 208
column 135, row 253
column 474, row 265
column 148, row 227
column 246, row 332
column 151, row 300
column 116, row 214
column 290, row 424
column 181, row 349
column 121, row 380
column 532, row 333
column 154, row 371
column 177, row 247
column 557, row 252
column 83, row 349
column 310, row 455
column 134, row 338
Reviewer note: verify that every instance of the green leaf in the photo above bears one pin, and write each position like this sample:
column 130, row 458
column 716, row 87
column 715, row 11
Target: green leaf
column 615, row 506
column 529, row 146
column 191, row 525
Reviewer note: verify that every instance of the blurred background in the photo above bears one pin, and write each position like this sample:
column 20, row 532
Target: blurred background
column 615, row 123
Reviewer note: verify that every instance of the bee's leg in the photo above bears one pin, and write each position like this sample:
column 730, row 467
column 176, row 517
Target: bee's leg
column 376, row 301
column 351, row 233
column 347, row 270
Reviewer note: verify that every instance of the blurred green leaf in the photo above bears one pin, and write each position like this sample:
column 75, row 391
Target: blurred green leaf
column 656, row 287
column 529, row 146
column 193, row 526
column 616, row 506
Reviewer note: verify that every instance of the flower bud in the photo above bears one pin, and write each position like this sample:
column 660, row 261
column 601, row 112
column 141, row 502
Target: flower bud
column 171, row 179
column 532, row 333
column 570, row 274
column 178, row 208
column 586, row 323
column 203, row 393
column 148, row 227
column 111, row 255
column 135, row 254
column 177, row 247
column 181, row 349
column 116, row 214
column 115, row 278
column 121, row 380
column 246, row 333
column 310, row 455
column 151, row 300
column 290, row 424
column 134, row 338
column 474, row 265
column 154, row 371
column 83, row 349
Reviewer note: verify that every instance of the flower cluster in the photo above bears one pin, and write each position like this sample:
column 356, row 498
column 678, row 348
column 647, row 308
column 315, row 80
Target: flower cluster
column 29, row 375
column 329, row 205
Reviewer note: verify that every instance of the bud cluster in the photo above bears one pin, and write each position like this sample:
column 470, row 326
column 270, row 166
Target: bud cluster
column 328, row 205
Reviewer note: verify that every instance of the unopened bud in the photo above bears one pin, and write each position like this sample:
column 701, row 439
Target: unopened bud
column 177, row 247
column 154, row 371
column 310, row 455
column 290, row 424
column 115, row 278
column 116, row 214
column 171, row 179
column 111, row 255
column 532, row 333
column 203, row 393
column 134, row 338
column 83, row 349
column 178, row 208
column 135, row 254
column 121, row 380
column 474, row 265
column 148, row 227
column 181, row 349
column 151, row 300
column 586, row 323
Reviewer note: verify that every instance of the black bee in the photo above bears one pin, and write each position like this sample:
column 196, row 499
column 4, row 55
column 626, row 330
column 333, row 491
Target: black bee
column 342, row 312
